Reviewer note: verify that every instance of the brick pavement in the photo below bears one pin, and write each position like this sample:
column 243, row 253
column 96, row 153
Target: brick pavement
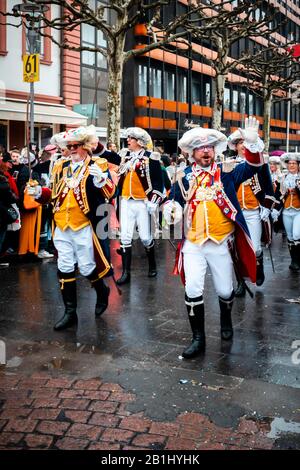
column 42, row 412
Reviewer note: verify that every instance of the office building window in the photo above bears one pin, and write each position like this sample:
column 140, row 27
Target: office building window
column 242, row 102
column 169, row 93
column 235, row 100
column 155, row 83
column 143, row 79
column 226, row 98
column 196, row 93
column 251, row 104
column 182, row 88
column 207, row 94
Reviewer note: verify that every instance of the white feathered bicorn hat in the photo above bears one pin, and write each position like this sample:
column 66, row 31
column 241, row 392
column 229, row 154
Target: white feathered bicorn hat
column 275, row 159
column 142, row 136
column 200, row 137
column 80, row 134
column 286, row 157
column 234, row 138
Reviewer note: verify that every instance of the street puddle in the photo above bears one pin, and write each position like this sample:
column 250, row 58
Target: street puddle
column 280, row 426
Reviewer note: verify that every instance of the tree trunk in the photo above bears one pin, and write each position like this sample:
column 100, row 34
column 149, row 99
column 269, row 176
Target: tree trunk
column 115, row 62
column 218, row 101
column 267, row 120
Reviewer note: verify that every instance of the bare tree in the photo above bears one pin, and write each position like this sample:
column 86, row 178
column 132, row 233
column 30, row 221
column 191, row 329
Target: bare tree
column 127, row 14
column 271, row 71
column 244, row 21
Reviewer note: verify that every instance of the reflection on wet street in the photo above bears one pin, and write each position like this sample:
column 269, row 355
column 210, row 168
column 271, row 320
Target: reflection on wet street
column 139, row 340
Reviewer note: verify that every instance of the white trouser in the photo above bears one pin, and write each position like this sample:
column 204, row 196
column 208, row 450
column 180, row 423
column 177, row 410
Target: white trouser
column 253, row 221
column 217, row 257
column 75, row 247
column 135, row 212
column 291, row 222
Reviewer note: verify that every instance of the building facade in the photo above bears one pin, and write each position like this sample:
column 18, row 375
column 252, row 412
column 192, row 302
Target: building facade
column 162, row 90
column 54, row 97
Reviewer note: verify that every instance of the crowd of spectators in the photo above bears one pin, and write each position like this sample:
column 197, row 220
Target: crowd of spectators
column 25, row 225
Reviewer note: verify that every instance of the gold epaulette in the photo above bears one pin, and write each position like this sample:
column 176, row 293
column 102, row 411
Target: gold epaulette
column 57, row 167
column 101, row 162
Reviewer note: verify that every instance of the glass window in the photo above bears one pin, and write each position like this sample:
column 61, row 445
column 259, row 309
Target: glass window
column 87, row 77
column 102, row 119
column 88, row 33
column 102, row 79
column 235, row 100
column 169, row 86
column 251, row 104
column 101, row 98
column 88, row 58
column 101, row 61
column 226, row 98
column 242, row 102
column 182, row 88
column 196, row 93
column 46, row 134
column 88, row 95
column 155, row 83
column 101, row 40
column 142, row 71
column 207, row 94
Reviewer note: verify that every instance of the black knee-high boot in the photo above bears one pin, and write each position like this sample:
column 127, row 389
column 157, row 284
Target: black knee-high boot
column 151, row 260
column 260, row 275
column 68, row 290
column 126, row 264
column 294, row 253
column 195, row 309
column 225, row 317
column 102, row 291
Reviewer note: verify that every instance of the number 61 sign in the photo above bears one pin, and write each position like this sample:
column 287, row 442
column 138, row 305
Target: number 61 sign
column 31, row 68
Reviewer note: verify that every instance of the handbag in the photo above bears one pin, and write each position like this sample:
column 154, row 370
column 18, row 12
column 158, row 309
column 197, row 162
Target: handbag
column 16, row 224
column 8, row 214
column 29, row 201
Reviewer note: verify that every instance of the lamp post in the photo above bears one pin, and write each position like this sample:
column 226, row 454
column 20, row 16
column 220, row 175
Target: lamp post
column 32, row 13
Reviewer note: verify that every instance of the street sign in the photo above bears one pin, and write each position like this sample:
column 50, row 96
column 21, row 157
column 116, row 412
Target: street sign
column 31, row 68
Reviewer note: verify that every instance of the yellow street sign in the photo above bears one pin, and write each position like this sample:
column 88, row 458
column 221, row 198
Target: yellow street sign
column 31, row 68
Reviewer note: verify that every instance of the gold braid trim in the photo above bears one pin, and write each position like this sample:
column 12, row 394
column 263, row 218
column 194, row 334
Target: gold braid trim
column 62, row 282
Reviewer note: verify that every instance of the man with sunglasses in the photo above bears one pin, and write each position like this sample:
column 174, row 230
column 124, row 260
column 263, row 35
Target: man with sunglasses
column 256, row 198
column 80, row 184
column 215, row 231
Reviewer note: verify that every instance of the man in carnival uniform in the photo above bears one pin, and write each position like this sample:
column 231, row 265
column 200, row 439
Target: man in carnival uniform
column 140, row 188
column 80, row 183
column 213, row 217
column 290, row 190
column 256, row 198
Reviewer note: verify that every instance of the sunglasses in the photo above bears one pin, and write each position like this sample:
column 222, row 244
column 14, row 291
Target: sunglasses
column 73, row 146
column 129, row 137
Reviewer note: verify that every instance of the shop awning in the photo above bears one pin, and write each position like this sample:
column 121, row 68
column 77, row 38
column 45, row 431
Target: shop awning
column 13, row 110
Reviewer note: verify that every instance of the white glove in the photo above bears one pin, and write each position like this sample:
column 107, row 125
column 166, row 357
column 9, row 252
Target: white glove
column 172, row 212
column 151, row 207
column 275, row 214
column 264, row 213
column 96, row 171
column 34, row 191
column 250, row 133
